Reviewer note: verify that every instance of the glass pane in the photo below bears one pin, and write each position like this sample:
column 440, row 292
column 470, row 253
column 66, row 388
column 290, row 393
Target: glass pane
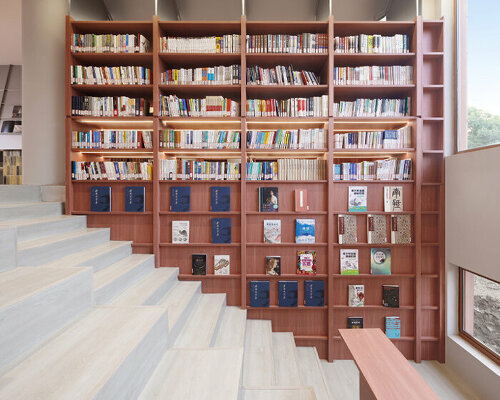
column 481, row 310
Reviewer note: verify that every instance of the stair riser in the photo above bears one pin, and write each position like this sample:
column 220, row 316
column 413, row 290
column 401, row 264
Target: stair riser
column 38, row 230
column 8, row 250
column 41, row 254
column 175, row 330
column 20, row 194
column 30, row 211
column 111, row 257
column 217, row 326
column 160, row 293
column 26, row 324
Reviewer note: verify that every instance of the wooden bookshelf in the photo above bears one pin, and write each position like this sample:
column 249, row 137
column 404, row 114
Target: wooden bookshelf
column 418, row 267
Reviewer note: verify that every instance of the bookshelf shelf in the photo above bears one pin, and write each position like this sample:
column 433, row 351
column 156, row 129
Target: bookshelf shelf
column 288, row 213
column 189, row 277
column 286, row 276
column 127, row 152
column 200, row 244
column 285, row 90
column 105, row 182
column 193, row 59
column 354, row 59
column 370, row 276
column 374, row 307
column 375, row 245
column 121, row 213
column 280, row 181
column 214, row 213
column 113, row 58
column 201, row 90
column 372, row 90
column 304, row 245
column 278, row 308
column 213, row 182
column 115, row 90
column 375, row 182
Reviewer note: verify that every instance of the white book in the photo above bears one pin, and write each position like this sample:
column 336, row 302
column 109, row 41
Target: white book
column 393, row 198
column 222, row 264
column 356, row 295
column 272, row 231
column 180, row 232
column 349, row 262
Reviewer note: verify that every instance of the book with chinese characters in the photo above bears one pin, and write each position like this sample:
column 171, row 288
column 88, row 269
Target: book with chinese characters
column 180, row 232
column 393, row 198
column 259, row 293
column 358, row 198
column 222, row 264
column 401, row 229
column 347, row 229
column 356, row 295
column 220, row 198
column 199, row 264
column 272, row 231
column 380, row 261
column 393, row 327
column 135, row 197
column 305, row 231
column 390, row 296
column 314, row 293
column 301, row 203
column 221, row 230
column 349, row 263
column 100, row 199
column 306, row 262
column 376, row 229
column 180, row 198
column 273, row 265
column 288, row 293
column 355, row 322
column 268, row 199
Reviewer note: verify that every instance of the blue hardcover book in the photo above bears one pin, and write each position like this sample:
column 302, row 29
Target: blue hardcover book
column 100, row 198
column 393, row 327
column 180, row 198
column 259, row 293
column 314, row 293
column 220, row 198
column 288, row 293
column 305, row 231
column 221, row 230
column 135, row 198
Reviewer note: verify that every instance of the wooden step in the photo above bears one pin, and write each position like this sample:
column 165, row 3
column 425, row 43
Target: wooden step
column 298, row 393
column 232, row 328
column 286, row 363
column 258, row 362
column 312, row 372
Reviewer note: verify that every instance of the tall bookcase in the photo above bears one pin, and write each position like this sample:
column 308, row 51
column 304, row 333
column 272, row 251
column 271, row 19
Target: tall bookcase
column 418, row 268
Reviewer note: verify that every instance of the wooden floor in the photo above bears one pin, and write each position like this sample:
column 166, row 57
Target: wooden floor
column 342, row 377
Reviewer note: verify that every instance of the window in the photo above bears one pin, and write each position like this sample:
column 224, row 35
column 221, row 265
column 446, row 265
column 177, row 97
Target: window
column 480, row 312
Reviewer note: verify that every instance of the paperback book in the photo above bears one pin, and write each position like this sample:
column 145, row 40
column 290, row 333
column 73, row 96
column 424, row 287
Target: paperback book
column 221, row 230
column 220, row 198
column 222, row 265
column 306, row 262
column 390, row 296
column 349, row 262
column 268, row 199
column 259, row 293
column 358, row 198
column 314, row 293
column 288, row 293
column 380, row 261
column 180, row 232
column 356, row 295
column 301, row 203
column 305, row 231
column 393, row 327
column 272, row 231
column 401, row 229
column 347, row 229
column 273, row 265
column 100, row 199
column 355, row 322
column 199, row 264
column 393, row 198
column 180, row 198
column 376, row 229
column 135, row 197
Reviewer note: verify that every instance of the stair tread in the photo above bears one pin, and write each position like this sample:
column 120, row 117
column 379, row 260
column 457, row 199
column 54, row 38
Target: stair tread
column 292, row 393
column 46, row 240
column 286, row 363
column 312, row 372
column 177, row 300
column 79, row 361
column 196, row 374
column 109, row 274
column 39, row 220
column 16, row 204
column 232, row 328
column 200, row 328
column 258, row 363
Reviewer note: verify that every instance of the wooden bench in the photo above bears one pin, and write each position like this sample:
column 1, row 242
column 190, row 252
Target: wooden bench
column 384, row 373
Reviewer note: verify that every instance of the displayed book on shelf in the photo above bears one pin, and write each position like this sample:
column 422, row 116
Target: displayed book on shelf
column 391, row 169
column 314, row 293
column 135, row 199
column 112, row 139
column 109, row 43
column 380, row 261
column 280, row 75
column 301, row 203
column 373, row 108
column 268, row 199
column 272, row 231
column 220, row 199
column 230, row 43
column 121, row 75
column 390, row 296
column 393, row 198
column 199, row 139
column 288, row 293
column 286, row 169
column 292, row 139
column 180, row 232
column 401, row 229
column 357, row 198
column 180, row 199
column 199, row 264
column 376, row 228
column 287, row 43
column 388, row 139
column 222, row 264
column 259, row 293
column 183, row 169
column 216, row 75
column 356, row 296
column 375, row 43
column 210, row 106
column 100, row 199
column 347, row 229
column 110, row 106
column 305, row 230
column 221, row 230
column 294, row 107
column 111, row 170
column 373, row 75
column 393, row 327
column 349, row 262
column 306, row 262
column 355, row 322
column 273, row 265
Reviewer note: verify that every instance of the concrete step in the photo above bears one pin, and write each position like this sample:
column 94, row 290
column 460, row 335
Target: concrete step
column 8, row 248
column 20, row 193
column 312, row 372
column 42, row 250
column 232, row 328
column 199, row 331
column 37, row 302
column 97, row 257
column 343, row 379
column 293, row 393
column 196, row 374
column 286, row 363
column 108, row 354
column 258, row 362
column 113, row 280
column 149, row 290
column 11, row 211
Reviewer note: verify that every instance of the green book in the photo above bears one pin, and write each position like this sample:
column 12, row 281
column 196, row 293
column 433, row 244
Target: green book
column 380, row 261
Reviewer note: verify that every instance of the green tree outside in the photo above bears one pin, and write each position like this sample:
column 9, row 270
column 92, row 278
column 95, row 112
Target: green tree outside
column 483, row 129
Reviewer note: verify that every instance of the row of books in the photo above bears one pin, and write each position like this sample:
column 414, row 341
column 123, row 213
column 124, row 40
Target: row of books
column 379, row 44
column 199, row 139
column 109, row 43
column 380, row 261
column 314, row 138
column 180, row 198
column 390, row 296
column 111, row 139
column 181, row 169
column 388, row 139
column 384, row 170
column 101, row 199
column 282, row 43
column 288, row 291
column 293, row 107
column 286, row 169
column 217, row 75
column 305, row 230
column 110, row 106
column 376, row 229
column 392, row 325
column 123, row 75
column 221, row 231
column 373, row 108
column 210, row 106
column 112, row 170
column 358, row 198
column 280, row 75
column 373, row 75
column 230, row 43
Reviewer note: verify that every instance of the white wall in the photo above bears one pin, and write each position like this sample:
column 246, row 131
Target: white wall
column 10, row 32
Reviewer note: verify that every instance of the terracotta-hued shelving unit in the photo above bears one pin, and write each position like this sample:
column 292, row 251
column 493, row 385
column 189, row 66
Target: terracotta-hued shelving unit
column 418, row 268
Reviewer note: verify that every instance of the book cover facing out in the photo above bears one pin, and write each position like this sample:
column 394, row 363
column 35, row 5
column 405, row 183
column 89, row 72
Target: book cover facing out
column 272, row 231
column 199, row 264
column 259, row 293
column 393, row 327
column 357, row 198
column 390, row 296
column 288, row 293
column 314, row 293
column 222, row 264
column 356, row 295
column 355, row 322
column 268, row 199
column 220, row 198
column 380, row 261
column 273, row 265
column 180, row 232
column 301, row 200
column 305, row 231
column 306, row 262
column 135, row 198
column 100, row 199
column 221, row 230
column 180, row 198
column 349, row 264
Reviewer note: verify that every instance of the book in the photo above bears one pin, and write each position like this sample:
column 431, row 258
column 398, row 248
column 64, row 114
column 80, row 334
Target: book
column 288, row 293
column 380, row 170
column 390, row 296
column 347, row 229
column 293, row 139
column 135, row 197
column 393, row 198
column 199, row 139
column 355, row 322
column 280, row 75
column 180, row 198
column 356, row 295
column 376, row 229
column 216, row 75
column 268, row 199
column 373, row 75
column 100, row 199
column 221, row 230
column 273, row 265
column 373, row 108
column 301, row 203
column 180, row 232
column 229, row 43
column 259, row 293
column 306, row 262
column 380, row 261
column 111, row 170
column 199, row 264
column 314, row 293
column 220, row 198
column 278, row 43
column 393, row 327
column 209, row 106
column 294, row 107
column 357, row 198
column 349, row 263
column 401, row 229
column 272, row 231
column 222, row 265
column 109, row 106
column 112, row 139
column 305, row 231
column 122, row 75
column 376, row 43
column 198, row 170
column 388, row 139
column 286, row 169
